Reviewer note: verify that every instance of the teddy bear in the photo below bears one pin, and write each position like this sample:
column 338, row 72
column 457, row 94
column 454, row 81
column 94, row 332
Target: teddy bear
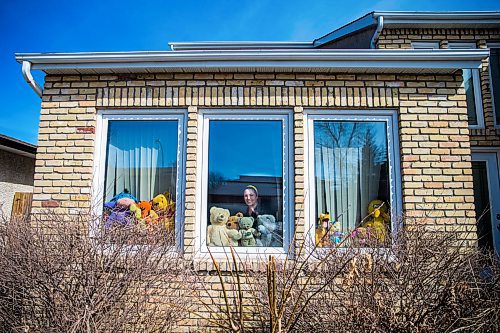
column 218, row 234
column 322, row 239
column 164, row 206
column 266, row 225
column 247, row 233
column 379, row 218
column 233, row 221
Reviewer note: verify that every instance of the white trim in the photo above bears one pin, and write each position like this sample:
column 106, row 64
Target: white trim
column 102, row 121
column 250, row 60
column 476, row 81
column 204, row 117
column 393, row 154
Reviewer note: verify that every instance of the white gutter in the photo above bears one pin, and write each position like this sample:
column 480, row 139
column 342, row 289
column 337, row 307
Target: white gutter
column 307, row 60
column 29, row 78
column 380, row 26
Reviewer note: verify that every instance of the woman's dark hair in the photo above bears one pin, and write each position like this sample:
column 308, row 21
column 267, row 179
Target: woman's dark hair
column 253, row 188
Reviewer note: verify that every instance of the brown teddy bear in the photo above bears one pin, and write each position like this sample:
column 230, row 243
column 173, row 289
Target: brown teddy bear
column 233, row 221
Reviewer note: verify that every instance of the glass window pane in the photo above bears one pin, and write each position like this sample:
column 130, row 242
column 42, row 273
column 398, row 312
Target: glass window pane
column 245, row 165
column 469, row 93
column 482, row 205
column 352, row 181
column 495, row 81
column 141, row 163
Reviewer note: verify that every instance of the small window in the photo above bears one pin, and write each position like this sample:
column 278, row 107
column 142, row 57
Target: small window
column 495, row 79
column 141, row 170
column 351, row 179
column 245, row 182
column 472, row 86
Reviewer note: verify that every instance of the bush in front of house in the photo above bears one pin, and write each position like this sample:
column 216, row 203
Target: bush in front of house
column 420, row 280
column 55, row 276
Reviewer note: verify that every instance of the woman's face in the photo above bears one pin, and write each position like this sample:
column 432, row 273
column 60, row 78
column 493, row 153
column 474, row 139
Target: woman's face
column 250, row 197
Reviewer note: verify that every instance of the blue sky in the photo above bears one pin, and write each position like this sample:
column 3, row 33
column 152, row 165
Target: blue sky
column 126, row 25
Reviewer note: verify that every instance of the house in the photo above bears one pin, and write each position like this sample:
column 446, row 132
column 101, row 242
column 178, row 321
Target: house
column 17, row 159
column 394, row 106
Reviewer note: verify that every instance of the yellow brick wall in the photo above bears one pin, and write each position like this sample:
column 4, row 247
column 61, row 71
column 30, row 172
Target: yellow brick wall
column 433, row 133
column 402, row 38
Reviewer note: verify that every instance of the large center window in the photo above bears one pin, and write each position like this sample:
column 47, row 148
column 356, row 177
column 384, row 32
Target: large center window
column 245, row 180
column 352, row 180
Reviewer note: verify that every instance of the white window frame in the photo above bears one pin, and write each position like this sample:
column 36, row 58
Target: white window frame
column 495, row 45
column 204, row 118
column 103, row 119
column 418, row 45
column 393, row 155
column 476, row 81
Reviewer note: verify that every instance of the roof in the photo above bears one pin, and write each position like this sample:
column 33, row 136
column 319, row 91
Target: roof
column 414, row 19
column 282, row 60
column 16, row 146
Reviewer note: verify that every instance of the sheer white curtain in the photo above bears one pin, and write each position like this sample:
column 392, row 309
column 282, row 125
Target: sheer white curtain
column 136, row 161
column 347, row 179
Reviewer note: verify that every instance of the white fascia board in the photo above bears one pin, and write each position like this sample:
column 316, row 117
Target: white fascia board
column 234, row 45
column 260, row 59
column 416, row 18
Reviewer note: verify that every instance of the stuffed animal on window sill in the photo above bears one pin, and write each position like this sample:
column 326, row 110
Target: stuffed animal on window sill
column 336, row 235
column 218, row 234
column 267, row 226
column 148, row 215
column 322, row 239
column 164, row 206
column 233, row 221
column 247, row 233
column 122, row 210
column 378, row 220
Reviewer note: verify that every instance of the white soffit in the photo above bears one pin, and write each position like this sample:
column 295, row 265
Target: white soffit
column 321, row 61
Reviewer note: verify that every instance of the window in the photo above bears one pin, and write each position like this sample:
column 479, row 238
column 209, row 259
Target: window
column 352, row 176
column 245, row 177
column 495, row 79
column 141, row 171
column 472, row 86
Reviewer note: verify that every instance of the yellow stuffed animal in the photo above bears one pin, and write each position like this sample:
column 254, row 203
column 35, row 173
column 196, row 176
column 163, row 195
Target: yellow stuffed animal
column 322, row 230
column 379, row 219
column 164, row 206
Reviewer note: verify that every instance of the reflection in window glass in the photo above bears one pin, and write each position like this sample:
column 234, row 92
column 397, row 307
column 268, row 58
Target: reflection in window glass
column 470, row 97
column 141, row 173
column 495, row 82
column 352, row 182
column 245, row 183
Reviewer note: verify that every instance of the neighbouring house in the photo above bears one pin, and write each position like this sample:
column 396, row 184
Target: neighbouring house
column 394, row 106
column 17, row 160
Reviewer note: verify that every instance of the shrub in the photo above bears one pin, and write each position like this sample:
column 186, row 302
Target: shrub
column 56, row 277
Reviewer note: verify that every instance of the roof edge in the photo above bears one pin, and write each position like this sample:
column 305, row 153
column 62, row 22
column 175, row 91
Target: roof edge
column 238, row 45
column 20, row 147
column 211, row 60
column 415, row 18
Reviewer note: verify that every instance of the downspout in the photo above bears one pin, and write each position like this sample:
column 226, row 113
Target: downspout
column 29, row 78
column 380, row 26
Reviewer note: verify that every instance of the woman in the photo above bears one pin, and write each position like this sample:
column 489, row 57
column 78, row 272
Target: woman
column 251, row 197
